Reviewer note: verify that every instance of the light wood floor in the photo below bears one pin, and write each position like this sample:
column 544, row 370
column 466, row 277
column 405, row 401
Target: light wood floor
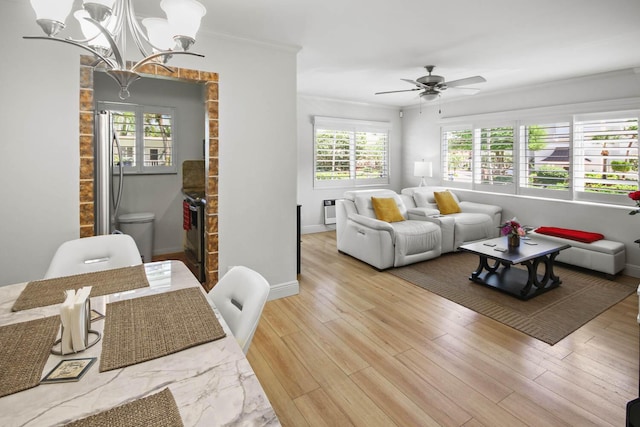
column 362, row 347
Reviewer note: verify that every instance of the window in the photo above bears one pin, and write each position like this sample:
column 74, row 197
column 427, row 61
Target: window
column 458, row 155
column 545, row 157
column 145, row 135
column 350, row 153
column 606, row 160
column 591, row 157
column 495, row 161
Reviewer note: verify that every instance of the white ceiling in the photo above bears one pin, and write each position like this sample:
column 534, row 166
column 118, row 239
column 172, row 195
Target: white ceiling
column 350, row 49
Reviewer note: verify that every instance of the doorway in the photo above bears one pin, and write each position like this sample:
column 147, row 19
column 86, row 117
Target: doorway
column 86, row 145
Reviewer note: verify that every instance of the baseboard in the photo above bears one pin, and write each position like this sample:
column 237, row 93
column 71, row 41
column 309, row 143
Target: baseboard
column 320, row 228
column 632, row 270
column 282, row 290
column 166, row 251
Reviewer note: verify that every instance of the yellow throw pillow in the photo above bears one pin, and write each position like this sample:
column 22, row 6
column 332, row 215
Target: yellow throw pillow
column 446, row 203
column 386, row 209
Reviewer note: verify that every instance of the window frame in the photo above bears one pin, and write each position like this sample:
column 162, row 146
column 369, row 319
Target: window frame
column 603, row 197
column 539, row 192
column 445, row 158
column 570, row 114
column 477, row 184
column 353, row 127
column 139, row 147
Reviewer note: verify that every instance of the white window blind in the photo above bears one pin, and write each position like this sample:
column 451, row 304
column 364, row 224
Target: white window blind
column 606, row 154
column 589, row 155
column 495, row 160
column 457, row 149
column 350, row 152
column 545, row 156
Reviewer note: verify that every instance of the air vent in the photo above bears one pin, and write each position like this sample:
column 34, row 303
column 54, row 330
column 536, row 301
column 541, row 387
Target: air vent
column 329, row 211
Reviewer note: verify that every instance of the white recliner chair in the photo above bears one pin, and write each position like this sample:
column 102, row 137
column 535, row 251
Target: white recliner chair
column 476, row 221
column 240, row 297
column 378, row 243
column 95, row 253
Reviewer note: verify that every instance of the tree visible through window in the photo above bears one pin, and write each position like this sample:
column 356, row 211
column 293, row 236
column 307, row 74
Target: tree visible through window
column 591, row 157
column 146, row 137
column 350, row 152
column 496, row 156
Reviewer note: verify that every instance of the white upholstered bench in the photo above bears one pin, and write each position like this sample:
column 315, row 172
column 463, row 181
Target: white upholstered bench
column 605, row 256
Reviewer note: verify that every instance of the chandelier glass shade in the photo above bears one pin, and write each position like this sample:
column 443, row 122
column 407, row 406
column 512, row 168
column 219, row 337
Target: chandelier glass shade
column 106, row 24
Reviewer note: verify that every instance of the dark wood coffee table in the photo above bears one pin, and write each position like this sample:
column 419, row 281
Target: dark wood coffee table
column 498, row 274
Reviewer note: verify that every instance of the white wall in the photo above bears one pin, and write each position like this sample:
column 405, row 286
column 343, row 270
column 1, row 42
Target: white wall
column 422, row 135
column 39, row 157
column 312, row 218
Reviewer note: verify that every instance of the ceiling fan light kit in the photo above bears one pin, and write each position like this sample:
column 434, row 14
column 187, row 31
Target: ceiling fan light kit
column 105, row 23
column 433, row 85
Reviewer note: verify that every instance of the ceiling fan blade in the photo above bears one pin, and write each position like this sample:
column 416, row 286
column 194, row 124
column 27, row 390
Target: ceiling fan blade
column 413, row 82
column 467, row 81
column 396, row 91
column 466, row 90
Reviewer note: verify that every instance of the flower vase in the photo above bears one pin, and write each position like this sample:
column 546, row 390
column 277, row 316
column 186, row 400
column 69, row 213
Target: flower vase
column 513, row 241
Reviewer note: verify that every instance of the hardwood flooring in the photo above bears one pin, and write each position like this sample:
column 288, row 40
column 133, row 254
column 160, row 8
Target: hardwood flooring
column 364, row 348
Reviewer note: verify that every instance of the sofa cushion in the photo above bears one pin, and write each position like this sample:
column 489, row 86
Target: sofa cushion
column 446, row 203
column 386, row 209
column 566, row 233
column 415, row 237
column 362, row 200
column 426, row 198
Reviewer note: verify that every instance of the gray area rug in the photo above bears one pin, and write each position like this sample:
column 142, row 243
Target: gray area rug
column 548, row 317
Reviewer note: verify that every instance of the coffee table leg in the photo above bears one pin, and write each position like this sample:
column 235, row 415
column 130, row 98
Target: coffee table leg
column 548, row 281
column 484, row 265
column 552, row 276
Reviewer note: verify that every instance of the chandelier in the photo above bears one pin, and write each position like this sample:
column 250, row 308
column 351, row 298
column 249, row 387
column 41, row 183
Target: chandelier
column 104, row 25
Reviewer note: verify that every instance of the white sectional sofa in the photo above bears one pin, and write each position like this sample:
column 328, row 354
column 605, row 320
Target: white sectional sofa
column 383, row 244
column 476, row 221
column 426, row 233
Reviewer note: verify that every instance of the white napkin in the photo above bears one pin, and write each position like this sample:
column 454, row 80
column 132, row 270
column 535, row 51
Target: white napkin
column 74, row 314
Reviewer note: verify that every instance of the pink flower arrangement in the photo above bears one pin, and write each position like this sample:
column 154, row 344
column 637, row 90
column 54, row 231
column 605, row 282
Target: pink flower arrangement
column 635, row 196
column 513, row 227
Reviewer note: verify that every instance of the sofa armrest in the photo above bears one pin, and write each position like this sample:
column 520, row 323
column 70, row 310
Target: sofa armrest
column 422, row 214
column 474, row 207
column 495, row 212
column 374, row 224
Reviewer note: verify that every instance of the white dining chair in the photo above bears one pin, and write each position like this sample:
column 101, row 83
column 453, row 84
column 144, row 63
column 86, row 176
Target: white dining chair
column 95, row 253
column 240, row 297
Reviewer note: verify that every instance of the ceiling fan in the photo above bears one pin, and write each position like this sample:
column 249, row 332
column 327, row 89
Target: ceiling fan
column 433, row 85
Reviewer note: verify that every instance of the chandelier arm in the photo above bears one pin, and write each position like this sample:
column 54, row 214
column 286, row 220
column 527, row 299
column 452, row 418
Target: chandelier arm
column 103, row 58
column 160, row 54
column 136, row 30
column 112, row 43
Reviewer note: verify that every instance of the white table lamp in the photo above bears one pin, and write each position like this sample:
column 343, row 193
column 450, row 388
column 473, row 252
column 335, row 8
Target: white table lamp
column 423, row 169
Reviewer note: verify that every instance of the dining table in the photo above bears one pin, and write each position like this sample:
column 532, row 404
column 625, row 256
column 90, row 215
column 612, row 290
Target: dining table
column 212, row 383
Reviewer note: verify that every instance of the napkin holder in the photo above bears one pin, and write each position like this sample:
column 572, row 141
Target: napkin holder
column 87, row 331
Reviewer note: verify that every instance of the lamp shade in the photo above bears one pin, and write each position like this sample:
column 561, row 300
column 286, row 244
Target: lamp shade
column 159, row 33
column 429, row 96
column 184, row 16
column 52, row 10
column 423, row 169
column 91, row 32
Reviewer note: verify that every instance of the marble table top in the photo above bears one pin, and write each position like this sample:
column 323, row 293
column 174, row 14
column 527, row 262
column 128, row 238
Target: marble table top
column 213, row 383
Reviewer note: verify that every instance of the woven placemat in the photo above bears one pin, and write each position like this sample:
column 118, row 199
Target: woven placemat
column 146, row 328
column 40, row 293
column 24, row 350
column 157, row 410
